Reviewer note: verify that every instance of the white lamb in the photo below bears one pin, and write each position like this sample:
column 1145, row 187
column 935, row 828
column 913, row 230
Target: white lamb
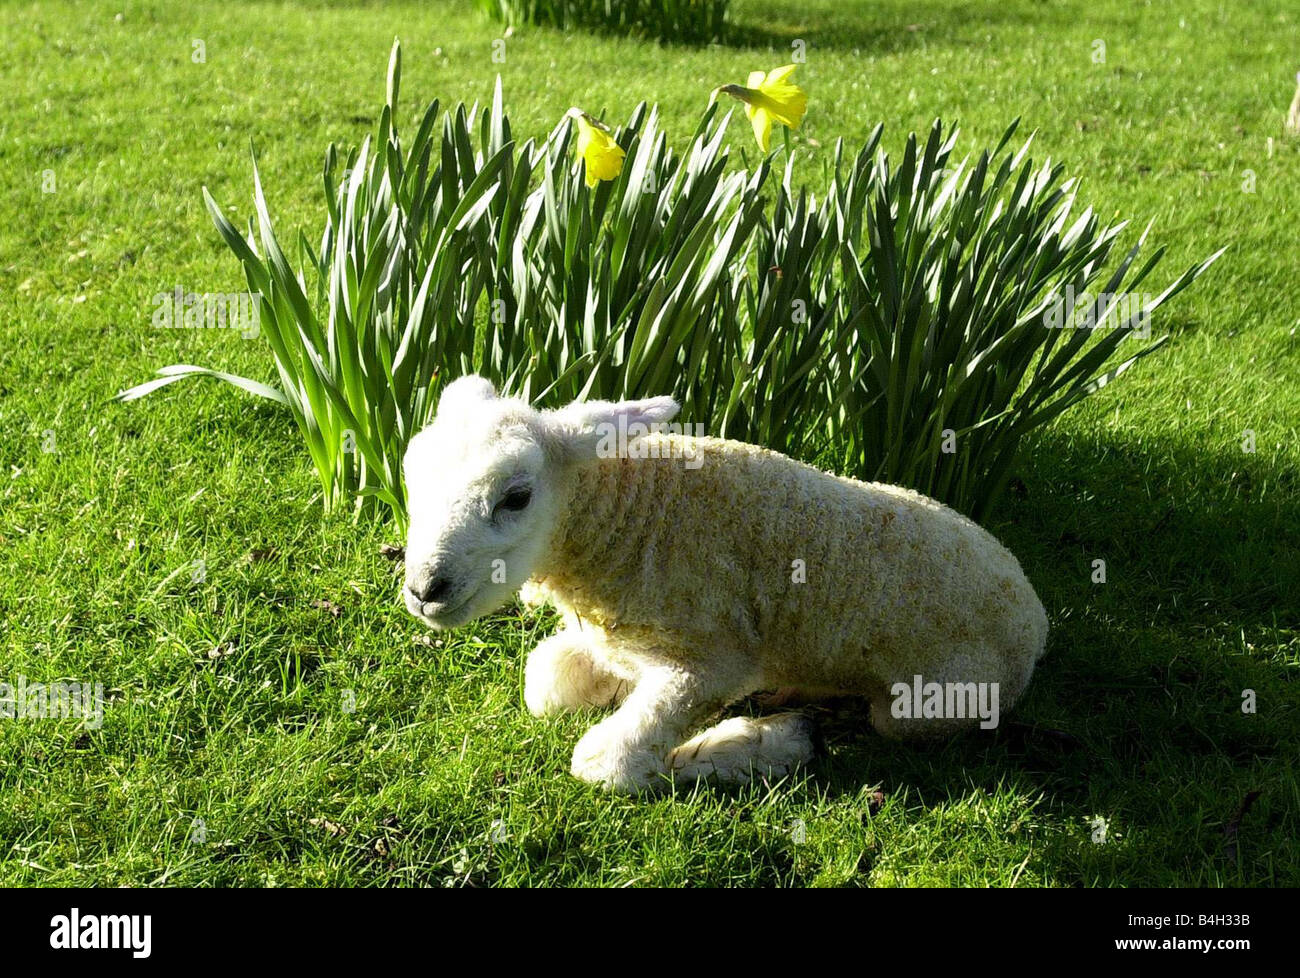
column 700, row 571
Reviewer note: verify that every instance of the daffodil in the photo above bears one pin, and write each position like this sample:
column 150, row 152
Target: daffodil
column 770, row 97
column 602, row 157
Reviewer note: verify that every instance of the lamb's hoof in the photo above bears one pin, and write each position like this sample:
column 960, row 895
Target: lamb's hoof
column 627, row 771
column 742, row 748
column 800, row 734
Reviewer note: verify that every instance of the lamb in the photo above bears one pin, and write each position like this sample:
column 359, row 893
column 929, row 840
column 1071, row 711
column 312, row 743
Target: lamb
column 691, row 572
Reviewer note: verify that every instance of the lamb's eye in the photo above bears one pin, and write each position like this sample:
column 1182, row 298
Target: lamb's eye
column 515, row 500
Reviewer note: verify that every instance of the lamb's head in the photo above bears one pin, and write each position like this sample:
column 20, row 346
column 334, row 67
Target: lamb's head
column 486, row 488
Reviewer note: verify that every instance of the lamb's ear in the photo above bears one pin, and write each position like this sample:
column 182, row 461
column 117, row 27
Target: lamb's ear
column 578, row 428
column 465, row 392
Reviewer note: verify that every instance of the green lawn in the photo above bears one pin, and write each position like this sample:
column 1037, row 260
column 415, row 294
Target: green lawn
column 229, row 696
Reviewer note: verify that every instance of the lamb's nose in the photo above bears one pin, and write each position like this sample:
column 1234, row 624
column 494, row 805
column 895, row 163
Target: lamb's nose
column 431, row 590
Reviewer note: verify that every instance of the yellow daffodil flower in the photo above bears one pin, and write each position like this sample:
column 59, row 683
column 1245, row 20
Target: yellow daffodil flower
column 603, row 158
column 770, row 97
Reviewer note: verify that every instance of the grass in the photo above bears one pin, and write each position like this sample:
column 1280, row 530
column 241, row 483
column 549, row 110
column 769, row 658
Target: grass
column 229, row 696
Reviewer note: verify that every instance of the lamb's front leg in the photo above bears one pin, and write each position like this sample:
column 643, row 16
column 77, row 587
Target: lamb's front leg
column 565, row 672
column 630, row 750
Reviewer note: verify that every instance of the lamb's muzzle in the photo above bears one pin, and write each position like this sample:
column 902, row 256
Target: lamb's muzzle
column 693, row 571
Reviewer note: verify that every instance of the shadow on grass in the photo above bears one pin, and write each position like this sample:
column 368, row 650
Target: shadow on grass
column 876, row 28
